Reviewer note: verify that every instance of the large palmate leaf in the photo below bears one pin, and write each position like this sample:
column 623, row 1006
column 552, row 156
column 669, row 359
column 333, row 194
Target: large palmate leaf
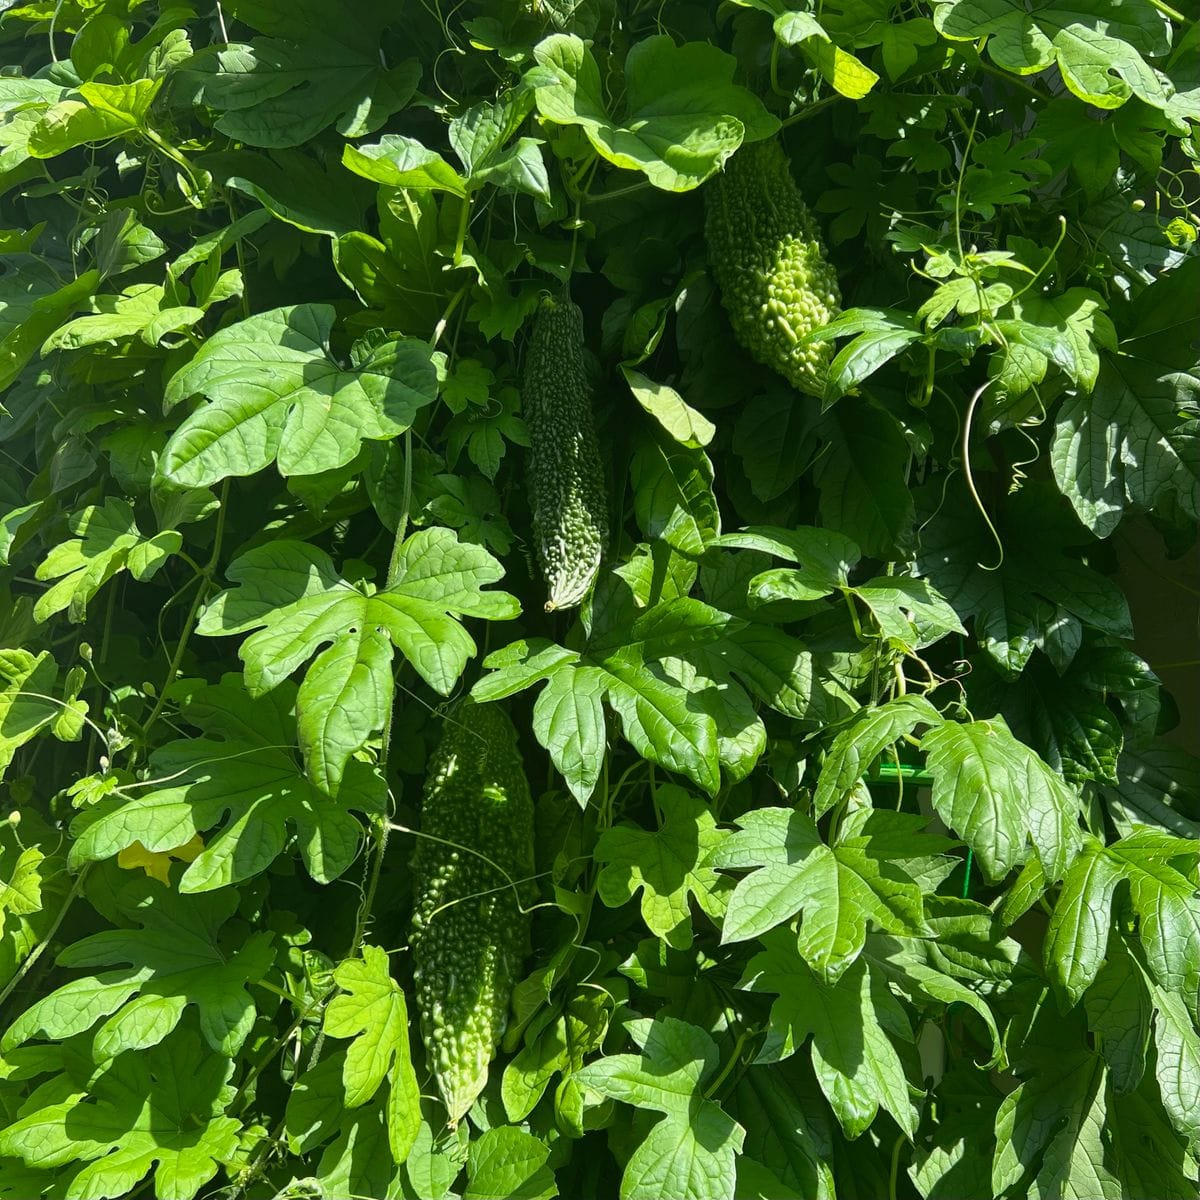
column 243, row 777
column 275, row 393
column 1159, row 787
column 863, row 477
column 160, row 1111
column 1017, row 603
column 1099, row 47
column 659, row 717
column 668, row 866
column 173, row 960
column 1065, row 1132
column 684, row 115
column 1000, row 797
column 291, row 593
column 794, row 1137
column 851, row 1023
column 1152, row 864
column 1134, row 443
column 371, row 1010
column 318, row 65
column 691, row 1153
column 839, row 889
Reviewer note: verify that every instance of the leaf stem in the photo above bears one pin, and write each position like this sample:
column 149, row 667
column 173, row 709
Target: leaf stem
column 805, row 113
column 730, row 1063
column 1168, row 11
column 894, row 1173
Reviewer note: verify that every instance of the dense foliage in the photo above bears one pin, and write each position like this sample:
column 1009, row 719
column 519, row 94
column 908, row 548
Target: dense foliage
column 861, row 867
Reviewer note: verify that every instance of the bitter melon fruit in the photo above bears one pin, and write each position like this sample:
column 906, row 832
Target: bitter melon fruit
column 471, row 870
column 566, row 479
column 769, row 262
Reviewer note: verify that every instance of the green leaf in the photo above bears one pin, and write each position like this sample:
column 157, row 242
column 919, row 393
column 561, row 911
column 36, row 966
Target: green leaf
column 999, row 797
column 402, row 162
column 1100, row 50
column 28, row 704
column 1051, row 1125
column 857, row 746
column 910, row 965
column 33, row 303
column 826, row 558
column 319, row 65
column 691, row 1154
column 568, row 719
column 910, row 611
column 1129, row 444
column 1168, row 908
column 1119, row 1012
column 481, row 137
column 861, row 477
column 849, row 1021
column 684, row 115
column 1077, row 937
column 672, row 494
column 837, row 889
column 293, row 187
column 509, row 1164
column 862, row 357
column 242, row 777
column 107, row 1121
column 359, row 1161
column 667, row 866
column 293, row 402
column 292, row 595
column 846, row 74
column 684, row 424
column 1014, row 603
column 661, row 722
column 1069, row 330
column 174, row 960
column 658, row 716
column 108, row 542
column 792, row 1137
column 371, row 1009
column 1159, row 787
column 21, row 883
column 1177, row 1065
column 105, row 111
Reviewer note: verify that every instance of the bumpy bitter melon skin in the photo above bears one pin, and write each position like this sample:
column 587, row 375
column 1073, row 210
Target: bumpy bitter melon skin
column 769, row 262
column 469, row 934
column 570, row 507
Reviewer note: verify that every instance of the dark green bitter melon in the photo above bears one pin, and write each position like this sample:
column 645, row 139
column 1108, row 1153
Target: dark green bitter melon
column 768, row 259
column 566, row 478
column 471, row 871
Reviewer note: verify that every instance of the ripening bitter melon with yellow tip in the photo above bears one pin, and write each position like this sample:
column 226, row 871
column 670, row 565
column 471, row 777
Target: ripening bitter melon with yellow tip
column 769, row 262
